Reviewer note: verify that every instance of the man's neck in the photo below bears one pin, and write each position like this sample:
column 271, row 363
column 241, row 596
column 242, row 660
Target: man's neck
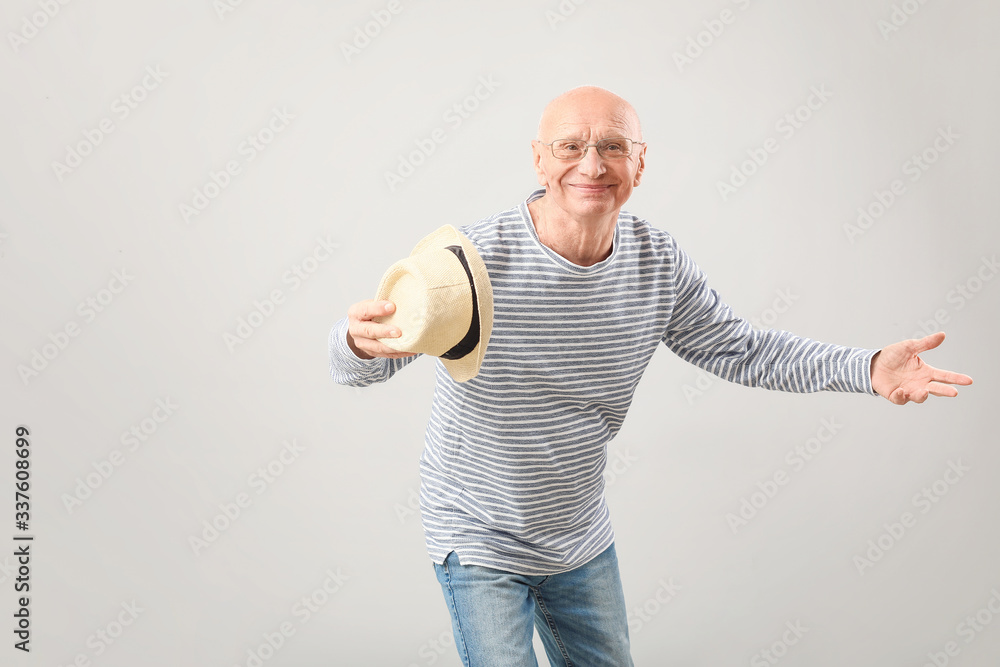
column 583, row 242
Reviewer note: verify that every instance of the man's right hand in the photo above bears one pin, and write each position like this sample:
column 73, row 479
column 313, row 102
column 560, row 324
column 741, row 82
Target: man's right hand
column 362, row 330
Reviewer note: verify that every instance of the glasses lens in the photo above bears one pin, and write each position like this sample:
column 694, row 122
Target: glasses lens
column 612, row 148
column 572, row 149
column 568, row 149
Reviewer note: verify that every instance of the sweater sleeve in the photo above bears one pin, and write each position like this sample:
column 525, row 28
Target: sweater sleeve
column 704, row 331
column 348, row 369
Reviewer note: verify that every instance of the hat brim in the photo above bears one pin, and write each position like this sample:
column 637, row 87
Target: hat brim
column 467, row 367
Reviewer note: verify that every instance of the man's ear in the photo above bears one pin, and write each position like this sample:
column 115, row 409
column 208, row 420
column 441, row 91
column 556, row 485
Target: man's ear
column 536, row 150
column 642, row 167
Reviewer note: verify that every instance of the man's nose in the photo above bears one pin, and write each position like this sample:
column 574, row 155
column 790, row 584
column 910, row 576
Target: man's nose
column 592, row 164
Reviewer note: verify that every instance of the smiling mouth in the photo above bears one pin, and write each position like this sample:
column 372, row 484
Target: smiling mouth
column 591, row 187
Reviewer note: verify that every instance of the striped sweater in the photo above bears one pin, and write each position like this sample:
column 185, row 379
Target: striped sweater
column 513, row 460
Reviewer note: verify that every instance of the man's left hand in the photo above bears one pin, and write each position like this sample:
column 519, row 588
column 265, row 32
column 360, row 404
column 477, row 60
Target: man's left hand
column 900, row 375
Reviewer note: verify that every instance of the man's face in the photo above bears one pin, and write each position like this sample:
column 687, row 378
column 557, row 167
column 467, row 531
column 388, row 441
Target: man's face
column 593, row 186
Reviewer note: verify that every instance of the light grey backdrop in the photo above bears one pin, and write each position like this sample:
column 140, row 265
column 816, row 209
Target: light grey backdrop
column 194, row 192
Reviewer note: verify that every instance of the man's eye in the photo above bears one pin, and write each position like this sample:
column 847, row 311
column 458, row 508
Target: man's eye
column 614, row 147
column 571, row 147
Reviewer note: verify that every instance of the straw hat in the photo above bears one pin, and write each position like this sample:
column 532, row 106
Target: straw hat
column 444, row 302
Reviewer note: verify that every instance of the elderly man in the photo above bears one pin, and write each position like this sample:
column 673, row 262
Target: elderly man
column 512, row 493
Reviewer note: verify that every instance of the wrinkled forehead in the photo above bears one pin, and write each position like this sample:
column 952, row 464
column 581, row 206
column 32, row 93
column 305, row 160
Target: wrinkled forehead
column 588, row 117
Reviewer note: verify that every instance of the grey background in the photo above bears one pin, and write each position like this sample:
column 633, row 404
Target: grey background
column 685, row 459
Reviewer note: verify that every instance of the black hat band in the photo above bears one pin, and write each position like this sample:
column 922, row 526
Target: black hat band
column 471, row 339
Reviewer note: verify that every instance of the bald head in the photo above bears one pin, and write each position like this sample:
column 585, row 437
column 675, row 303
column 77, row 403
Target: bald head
column 584, row 107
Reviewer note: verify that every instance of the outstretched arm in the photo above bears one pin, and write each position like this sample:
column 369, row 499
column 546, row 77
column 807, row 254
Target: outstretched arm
column 900, row 375
column 705, row 331
column 356, row 357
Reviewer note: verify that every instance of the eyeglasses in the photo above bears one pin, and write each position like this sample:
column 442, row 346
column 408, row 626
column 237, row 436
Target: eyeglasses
column 609, row 149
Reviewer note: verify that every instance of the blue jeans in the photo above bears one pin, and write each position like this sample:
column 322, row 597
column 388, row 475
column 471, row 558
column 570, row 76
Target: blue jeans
column 580, row 615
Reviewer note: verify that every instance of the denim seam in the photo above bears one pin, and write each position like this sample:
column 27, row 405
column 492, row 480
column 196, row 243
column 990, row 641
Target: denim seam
column 464, row 649
column 552, row 625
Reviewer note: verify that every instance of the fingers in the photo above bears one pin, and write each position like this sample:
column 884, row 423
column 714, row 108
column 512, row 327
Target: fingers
column 369, row 348
column 377, row 349
column 928, row 342
column 363, row 330
column 372, row 330
column 950, row 377
column 898, row 396
column 361, row 320
column 938, row 389
column 901, row 396
column 366, row 310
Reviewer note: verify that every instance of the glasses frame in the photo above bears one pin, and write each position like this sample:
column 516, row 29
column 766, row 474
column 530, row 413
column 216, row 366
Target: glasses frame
column 586, row 148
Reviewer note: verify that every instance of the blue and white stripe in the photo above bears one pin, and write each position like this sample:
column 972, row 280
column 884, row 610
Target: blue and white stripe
column 512, row 465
